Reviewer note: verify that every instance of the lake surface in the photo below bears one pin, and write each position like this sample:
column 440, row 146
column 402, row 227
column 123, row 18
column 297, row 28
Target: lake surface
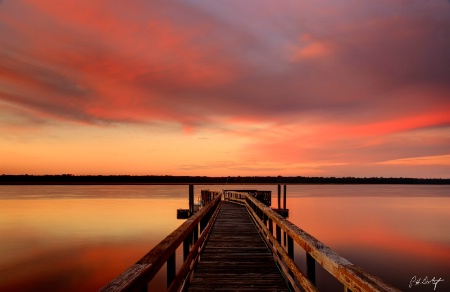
column 78, row 238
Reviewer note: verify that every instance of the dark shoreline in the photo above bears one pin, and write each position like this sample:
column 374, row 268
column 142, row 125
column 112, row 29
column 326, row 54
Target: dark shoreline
column 67, row 179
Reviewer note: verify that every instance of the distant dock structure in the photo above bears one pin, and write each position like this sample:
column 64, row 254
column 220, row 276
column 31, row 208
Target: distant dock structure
column 206, row 196
column 236, row 242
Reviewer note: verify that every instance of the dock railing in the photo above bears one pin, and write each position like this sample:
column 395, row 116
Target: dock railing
column 351, row 276
column 193, row 234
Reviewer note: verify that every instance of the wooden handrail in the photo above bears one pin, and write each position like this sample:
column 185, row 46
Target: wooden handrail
column 350, row 275
column 137, row 277
column 191, row 258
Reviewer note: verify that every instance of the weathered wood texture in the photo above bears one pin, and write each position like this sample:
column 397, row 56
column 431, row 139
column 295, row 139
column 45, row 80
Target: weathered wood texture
column 235, row 257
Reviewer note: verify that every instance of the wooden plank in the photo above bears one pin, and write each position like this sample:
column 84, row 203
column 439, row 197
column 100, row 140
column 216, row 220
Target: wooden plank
column 235, row 257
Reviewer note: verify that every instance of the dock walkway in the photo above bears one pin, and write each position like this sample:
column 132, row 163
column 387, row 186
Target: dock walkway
column 236, row 257
column 235, row 243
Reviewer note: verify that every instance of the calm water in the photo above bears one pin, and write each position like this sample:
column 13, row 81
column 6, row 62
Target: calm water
column 77, row 238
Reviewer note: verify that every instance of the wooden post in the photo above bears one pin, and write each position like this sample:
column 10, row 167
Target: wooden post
column 191, row 200
column 204, row 223
column 187, row 246
column 278, row 235
column 195, row 235
column 290, row 247
column 311, row 268
column 171, row 270
column 279, row 196
column 284, row 198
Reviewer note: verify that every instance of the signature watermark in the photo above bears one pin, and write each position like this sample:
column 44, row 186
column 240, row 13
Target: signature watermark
column 425, row 281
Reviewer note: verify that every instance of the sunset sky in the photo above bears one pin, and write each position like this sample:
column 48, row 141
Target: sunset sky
column 217, row 88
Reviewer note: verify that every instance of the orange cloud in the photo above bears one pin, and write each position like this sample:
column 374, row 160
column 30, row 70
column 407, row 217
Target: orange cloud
column 311, row 48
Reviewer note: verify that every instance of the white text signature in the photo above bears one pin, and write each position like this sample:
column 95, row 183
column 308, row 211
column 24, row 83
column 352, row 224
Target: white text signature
column 425, row 281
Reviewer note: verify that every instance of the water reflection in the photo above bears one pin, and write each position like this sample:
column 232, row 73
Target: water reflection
column 394, row 238
column 72, row 238
column 78, row 244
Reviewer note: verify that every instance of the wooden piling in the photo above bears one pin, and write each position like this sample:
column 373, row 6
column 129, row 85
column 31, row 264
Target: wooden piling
column 311, row 268
column 279, row 196
column 191, row 199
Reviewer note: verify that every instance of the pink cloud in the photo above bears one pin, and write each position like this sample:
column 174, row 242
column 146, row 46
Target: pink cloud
column 311, row 48
column 151, row 62
column 318, row 80
column 127, row 73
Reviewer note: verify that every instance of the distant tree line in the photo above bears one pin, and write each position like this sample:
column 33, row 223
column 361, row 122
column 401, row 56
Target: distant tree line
column 70, row 179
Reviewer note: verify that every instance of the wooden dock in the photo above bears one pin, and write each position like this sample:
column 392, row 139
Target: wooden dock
column 235, row 257
column 234, row 243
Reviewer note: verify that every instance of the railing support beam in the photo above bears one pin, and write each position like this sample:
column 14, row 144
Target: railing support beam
column 278, row 230
column 195, row 234
column 290, row 246
column 311, row 268
column 191, row 200
column 279, row 196
column 187, row 246
column 171, row 269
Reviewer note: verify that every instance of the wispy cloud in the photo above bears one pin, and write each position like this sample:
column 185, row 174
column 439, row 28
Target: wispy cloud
column 424, row 160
